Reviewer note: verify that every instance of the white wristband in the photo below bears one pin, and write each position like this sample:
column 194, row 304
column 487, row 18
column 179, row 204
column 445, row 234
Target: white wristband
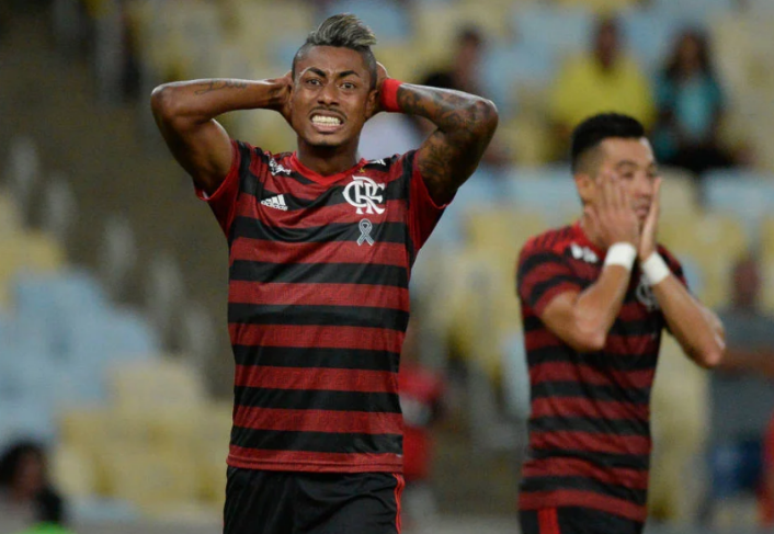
column 622, row 254
column 655, row 269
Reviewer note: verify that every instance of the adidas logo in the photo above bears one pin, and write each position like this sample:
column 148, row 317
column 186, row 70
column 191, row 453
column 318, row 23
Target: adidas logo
column 276, row 202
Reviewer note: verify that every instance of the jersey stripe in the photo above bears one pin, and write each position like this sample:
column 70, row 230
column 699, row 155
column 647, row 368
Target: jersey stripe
column 317, row 357
column 286, row 314
column 261, row 376
column 318, row 421
column 322, row 273
column 589, row 426
column 316, row 399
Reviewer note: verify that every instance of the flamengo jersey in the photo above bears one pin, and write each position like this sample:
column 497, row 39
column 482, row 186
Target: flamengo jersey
column 318, row 307
column 589, row 431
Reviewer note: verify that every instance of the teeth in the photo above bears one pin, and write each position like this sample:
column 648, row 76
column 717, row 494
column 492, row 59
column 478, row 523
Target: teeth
column 324, row 120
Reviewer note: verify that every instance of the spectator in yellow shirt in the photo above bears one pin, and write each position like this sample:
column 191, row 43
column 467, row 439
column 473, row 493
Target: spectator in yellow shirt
column 603, row 81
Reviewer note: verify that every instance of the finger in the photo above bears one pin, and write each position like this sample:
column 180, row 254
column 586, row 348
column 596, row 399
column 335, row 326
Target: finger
column 657, row 195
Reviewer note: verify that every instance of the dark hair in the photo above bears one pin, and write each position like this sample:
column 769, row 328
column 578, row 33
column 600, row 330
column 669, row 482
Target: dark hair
column 49, row 507
column 344, row 31
column 11, row 458
column 672, row 70
column 470, row 35
column 591, row 132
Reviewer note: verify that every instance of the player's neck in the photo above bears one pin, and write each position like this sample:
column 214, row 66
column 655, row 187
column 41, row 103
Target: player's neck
column 591, row 235
column 326, row 161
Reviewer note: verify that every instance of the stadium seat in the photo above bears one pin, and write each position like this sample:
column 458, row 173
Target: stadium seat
column 561, row 31
column 549, row 189
column 602, row 7
column 162, row 382
column 151, row 477
column 715, row 243
column 386, row 18
column 31, row 252
column 73, row 472
column 679, row 194
column 746, row 195
column 10, row 218
column 649, row 35
column 509, row 69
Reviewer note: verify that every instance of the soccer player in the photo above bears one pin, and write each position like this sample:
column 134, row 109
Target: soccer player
column 595, row 297
column 321, row 245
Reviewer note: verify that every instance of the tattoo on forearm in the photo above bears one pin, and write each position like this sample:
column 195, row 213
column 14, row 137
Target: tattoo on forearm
column 217, row 85
column 464, row 131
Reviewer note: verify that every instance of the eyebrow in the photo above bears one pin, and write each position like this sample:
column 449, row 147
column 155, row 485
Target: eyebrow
column 322, row 73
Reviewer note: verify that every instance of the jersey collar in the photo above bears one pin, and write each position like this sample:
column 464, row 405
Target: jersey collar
column 306, row 172
column 583, row 239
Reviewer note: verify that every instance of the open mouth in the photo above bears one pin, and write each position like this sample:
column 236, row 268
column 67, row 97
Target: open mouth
column 326, row 123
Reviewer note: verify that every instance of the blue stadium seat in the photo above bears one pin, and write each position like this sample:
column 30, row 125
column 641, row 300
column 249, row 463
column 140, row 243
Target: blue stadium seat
column 562, row 31
column 548, row 189
column 506, row 67
column 695, row 12
column 736, row 467
column 744, row 194
column 649, row 35
column 484, row 188
column 51, row 300
column 386, row 18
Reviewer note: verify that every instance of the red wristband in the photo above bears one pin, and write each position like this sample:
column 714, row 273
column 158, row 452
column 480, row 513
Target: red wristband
column 388, row 96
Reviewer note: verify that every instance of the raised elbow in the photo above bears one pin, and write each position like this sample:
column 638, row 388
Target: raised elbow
column 484, row 115
column 163, row 102
column 710, row 358
column 590, row 341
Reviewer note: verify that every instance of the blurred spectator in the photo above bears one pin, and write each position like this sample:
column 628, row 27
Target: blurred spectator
column 421, row 395
column 25, row 493
column 464, row 71
column 463, row 74
column 49, row 517
column 690, row 108
column 604, row 81
column 742, row 391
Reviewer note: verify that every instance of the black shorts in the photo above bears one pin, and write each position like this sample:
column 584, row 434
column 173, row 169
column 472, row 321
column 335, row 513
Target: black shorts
column 279, row 502
column 575, row 520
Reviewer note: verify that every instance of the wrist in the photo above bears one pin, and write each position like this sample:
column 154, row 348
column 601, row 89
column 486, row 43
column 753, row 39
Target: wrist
column 655, row 269
column 621, row 253
column 388, row 95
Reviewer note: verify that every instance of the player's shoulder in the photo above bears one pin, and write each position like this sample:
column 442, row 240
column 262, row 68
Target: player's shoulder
column 392, row 167
column 553, row 241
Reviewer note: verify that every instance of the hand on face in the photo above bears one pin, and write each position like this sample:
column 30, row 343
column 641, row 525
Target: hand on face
column 648, row 239
column 612, row 218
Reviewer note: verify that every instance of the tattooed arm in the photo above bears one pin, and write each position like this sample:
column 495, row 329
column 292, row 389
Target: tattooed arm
column 185, row 113
column 464, row 126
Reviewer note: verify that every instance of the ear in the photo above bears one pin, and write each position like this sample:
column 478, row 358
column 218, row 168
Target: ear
column 587, row 187
column 372, row 103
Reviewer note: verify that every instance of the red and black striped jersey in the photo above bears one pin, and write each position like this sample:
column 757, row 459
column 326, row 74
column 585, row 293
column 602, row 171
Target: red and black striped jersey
column 318, row 307
column 589, row 430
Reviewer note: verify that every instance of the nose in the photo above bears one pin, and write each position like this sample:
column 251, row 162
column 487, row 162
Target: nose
column 328, row 95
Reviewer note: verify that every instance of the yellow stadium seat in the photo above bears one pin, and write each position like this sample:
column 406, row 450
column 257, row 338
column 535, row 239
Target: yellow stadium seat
column 30, row 251
column 73, row 471
column 603, row 7
column 156, row 384
column 10, row 218
column 713, row 243
column 679, row 195
column 503, row 230
column 680, row 422
column 151, row 476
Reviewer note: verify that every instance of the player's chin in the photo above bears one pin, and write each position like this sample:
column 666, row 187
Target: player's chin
column 317, row 139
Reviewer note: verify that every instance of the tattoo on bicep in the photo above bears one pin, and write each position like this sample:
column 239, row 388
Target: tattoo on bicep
column 217, row 85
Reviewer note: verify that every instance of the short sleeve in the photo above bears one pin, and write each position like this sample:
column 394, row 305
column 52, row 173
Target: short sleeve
column 542, row 275
column 223, row 201
column 424, row 213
